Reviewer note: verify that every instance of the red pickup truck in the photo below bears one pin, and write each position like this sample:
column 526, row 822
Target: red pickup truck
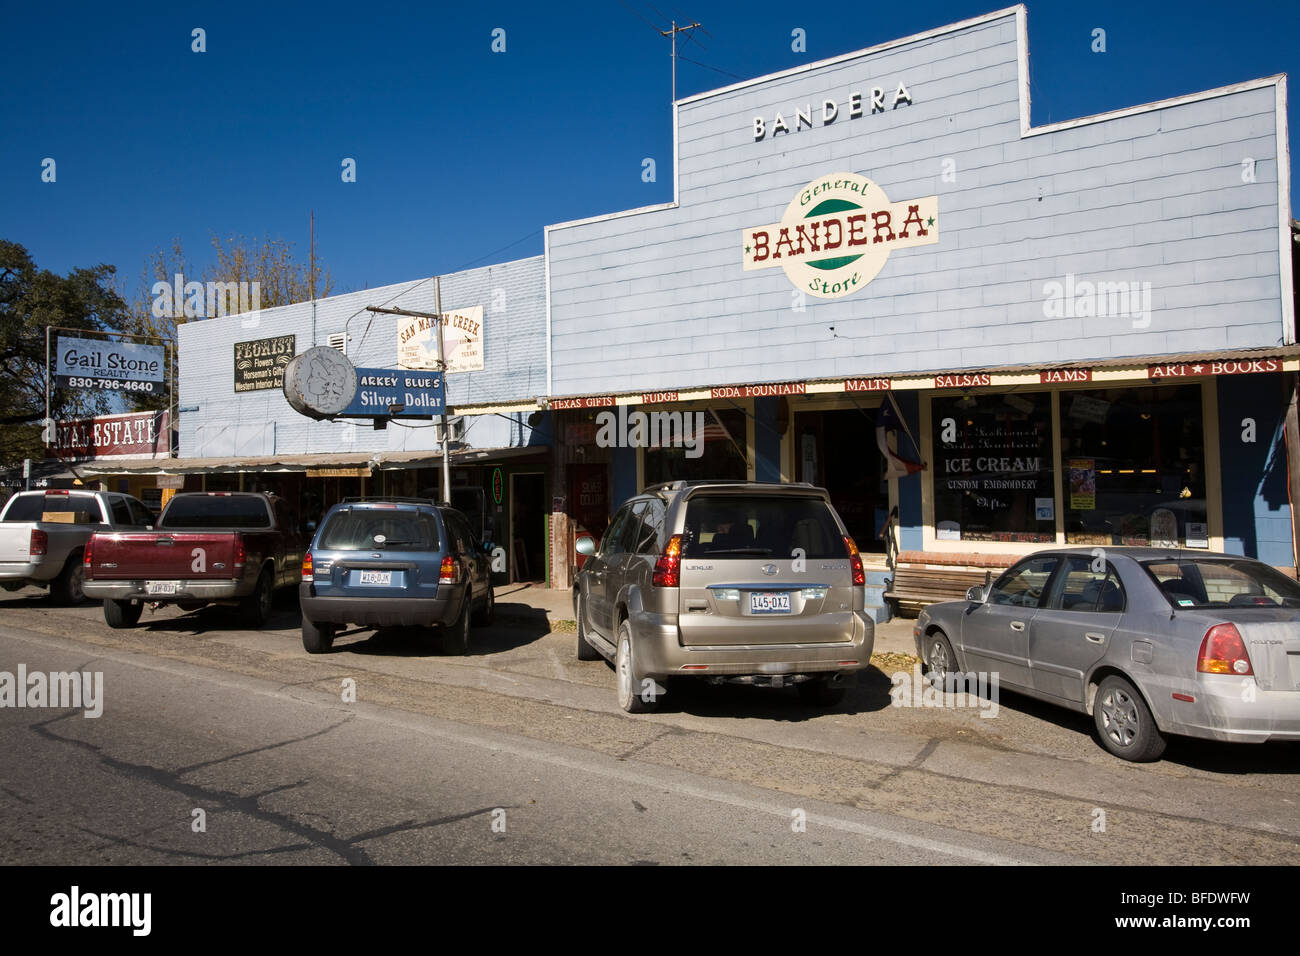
column 215, row 547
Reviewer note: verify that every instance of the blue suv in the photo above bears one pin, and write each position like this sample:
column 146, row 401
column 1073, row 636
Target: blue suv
column 394, row 562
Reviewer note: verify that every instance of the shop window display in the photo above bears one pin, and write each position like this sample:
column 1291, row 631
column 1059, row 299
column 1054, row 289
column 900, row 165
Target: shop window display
column 1133, row 460
column 993, row 471
column 722, row 457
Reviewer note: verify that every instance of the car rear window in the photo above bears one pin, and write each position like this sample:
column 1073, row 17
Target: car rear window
column 216, row 511
column 741, row 526
column 1194, row 583
column 83, row 509
column 366, row 530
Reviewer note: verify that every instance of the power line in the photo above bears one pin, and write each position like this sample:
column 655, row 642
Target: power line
column 707, row 67
column 639, row 15
column 494, row 252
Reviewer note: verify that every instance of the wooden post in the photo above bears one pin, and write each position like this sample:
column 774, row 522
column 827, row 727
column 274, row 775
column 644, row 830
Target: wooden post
column 561, row 537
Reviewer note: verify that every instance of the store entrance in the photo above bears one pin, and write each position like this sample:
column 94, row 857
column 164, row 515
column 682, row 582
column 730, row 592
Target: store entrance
column 528, row 527
column 836, row 450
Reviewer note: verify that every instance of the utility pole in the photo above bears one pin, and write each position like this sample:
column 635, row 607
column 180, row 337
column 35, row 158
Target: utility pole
column 311, row 257
column 673, row 34
column 442, row 367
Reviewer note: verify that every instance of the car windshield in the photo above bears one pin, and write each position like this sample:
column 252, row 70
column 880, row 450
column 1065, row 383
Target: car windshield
column 1200, row 582
column 216, row 511
column 365, row 530
column 747, row 526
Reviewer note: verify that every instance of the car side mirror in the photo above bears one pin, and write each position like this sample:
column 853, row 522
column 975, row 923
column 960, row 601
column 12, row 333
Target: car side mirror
column 978, row 594
column 586, row 546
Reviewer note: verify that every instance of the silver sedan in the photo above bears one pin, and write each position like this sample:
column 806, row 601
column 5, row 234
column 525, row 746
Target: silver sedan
column 1148, row 641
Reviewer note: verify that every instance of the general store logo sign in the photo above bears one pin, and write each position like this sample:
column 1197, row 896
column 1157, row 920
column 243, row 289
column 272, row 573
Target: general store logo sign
column 837, row 233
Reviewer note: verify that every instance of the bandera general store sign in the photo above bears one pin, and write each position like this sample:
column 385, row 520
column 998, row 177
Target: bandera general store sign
column 837, row 233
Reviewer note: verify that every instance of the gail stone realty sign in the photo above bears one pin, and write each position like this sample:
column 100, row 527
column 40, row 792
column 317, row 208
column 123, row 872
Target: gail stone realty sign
column 462, row 341
column 260, row 364
column 837, row 233
column 120, row 366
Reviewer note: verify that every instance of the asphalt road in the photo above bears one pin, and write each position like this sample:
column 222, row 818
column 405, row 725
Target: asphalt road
column 517, row 753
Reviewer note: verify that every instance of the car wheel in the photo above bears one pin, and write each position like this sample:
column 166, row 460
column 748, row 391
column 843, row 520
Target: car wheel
column 941, row 662
column 1124, row 722
column 820, row 692
column 483, row 617
column 122, row 613
column 317, row 638
column 256, row 608
column 585, row 651
column 66, row 589
column 455, row 636
column 631, row 695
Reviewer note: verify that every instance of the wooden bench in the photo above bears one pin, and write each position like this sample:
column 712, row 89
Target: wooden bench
column 914, row 588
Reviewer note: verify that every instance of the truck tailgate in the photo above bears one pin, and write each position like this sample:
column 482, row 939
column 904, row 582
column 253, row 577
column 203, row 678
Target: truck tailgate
column 181, row 555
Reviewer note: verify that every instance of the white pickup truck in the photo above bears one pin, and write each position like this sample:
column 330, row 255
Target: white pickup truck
column 43, row 535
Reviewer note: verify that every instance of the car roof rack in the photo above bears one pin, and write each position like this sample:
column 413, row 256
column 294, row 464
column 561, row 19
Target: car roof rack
column 682, row 483
column 395, row 498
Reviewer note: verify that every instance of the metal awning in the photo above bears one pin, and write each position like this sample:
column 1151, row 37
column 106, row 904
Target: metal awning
column 273, row 464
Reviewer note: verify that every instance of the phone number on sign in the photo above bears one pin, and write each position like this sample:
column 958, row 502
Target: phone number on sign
column 74, row 382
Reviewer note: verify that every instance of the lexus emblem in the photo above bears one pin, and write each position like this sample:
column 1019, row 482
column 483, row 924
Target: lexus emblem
column 769, row 569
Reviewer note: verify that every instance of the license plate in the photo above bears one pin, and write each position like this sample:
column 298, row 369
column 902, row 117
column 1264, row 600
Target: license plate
column 769, row 602
column 161, row 587
column 382, row 578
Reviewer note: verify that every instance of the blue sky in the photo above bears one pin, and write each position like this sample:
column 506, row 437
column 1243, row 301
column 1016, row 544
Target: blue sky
column 463, row 154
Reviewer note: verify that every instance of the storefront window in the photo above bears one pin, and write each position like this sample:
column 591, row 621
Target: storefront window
column 1133, row 460
column 723, row 456
column 993, row 478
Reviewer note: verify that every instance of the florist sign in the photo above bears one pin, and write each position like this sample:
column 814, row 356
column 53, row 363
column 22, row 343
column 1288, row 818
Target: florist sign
column 837, row 233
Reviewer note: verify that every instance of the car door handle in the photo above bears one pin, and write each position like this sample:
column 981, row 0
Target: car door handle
column 1094, row 637
column 1017, row 625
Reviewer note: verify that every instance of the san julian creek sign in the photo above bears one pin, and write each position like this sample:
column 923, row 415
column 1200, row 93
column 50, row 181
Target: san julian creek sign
column 837, row 233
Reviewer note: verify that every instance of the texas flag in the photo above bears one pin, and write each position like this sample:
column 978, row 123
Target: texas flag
column 890, row 419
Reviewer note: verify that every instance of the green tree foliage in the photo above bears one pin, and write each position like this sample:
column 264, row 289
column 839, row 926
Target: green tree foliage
column 31, row 299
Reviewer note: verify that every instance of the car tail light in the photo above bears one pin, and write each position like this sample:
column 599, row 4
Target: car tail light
column 88, row 554
column 668, row 569
column 449, row 573
column 308, row 573
column 53, row 492
column 1224, row 652
column 38, row 543
column 241, row 553
column 855, row 561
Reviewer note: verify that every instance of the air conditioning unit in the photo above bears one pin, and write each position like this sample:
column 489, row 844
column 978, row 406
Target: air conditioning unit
column 338, row 340
column 455, row 430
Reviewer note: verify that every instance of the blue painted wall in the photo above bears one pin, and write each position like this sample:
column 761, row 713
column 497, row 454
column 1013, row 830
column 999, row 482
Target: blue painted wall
column 622, row 476
column 767, row 440
column 909, row 488
column 1256, row 509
